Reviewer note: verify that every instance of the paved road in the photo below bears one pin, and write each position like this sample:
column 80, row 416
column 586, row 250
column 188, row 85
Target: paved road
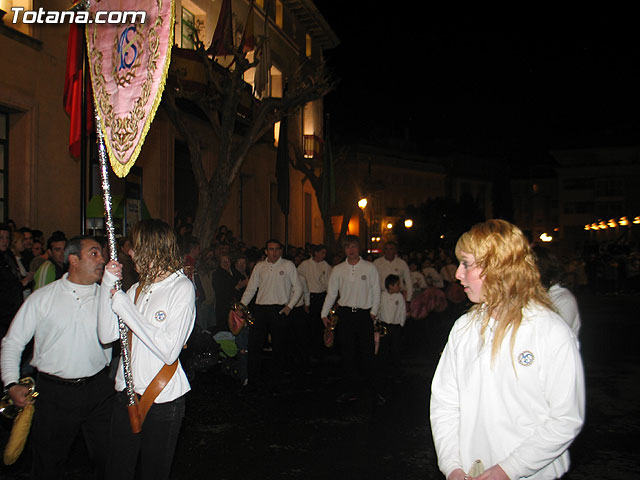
column 304, row 434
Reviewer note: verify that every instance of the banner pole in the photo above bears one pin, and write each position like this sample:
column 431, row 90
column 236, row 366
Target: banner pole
column 113, row 253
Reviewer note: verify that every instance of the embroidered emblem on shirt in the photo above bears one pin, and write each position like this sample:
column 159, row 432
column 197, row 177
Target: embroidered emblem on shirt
column 363, row 277
column 281, row 272
column 160, row 316
column 396, row 302
column 526, row 358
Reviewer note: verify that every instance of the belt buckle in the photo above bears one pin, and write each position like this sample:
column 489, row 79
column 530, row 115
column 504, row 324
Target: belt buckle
column 354, row 309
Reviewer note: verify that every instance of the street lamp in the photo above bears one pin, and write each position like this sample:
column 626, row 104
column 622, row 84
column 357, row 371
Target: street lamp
column 408, row 223
column 362, row 203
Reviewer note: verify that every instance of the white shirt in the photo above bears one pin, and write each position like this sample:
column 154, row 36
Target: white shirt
column 305, row 298
column 276, row 283
column 393, row 308
column 436, row 279
column 522, row 412
column 358, row 286
column 398, row 267
column 417, row 280
column 448, row 273
column 62, row 317
column 161, row 322
column 316, row 273
column 567, row 307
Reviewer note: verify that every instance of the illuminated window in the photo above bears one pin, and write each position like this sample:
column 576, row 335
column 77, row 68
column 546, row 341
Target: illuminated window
column 26, row 5
column 276, row 83
column 4, row 160
column 308, row 45
column 279, row 13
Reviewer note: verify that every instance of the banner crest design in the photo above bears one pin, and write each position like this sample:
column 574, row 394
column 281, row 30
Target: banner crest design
column 129, row 65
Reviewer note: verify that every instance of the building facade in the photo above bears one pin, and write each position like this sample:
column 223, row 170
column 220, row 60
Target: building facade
column 42, row 186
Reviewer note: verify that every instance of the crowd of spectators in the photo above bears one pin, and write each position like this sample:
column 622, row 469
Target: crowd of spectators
column 220, row 271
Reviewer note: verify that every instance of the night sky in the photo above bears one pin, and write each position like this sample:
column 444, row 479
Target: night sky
column 499, row 86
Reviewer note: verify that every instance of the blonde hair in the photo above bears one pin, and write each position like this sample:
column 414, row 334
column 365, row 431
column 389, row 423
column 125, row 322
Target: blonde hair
column 155, row 250
column 510, row 277
column 15, row 238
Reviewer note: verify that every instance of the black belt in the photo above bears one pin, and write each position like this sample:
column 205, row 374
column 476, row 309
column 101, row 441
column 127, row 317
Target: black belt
column 354, row 309
column 68, row 381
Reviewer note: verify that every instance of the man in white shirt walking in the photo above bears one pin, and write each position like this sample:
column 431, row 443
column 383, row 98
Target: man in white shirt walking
column 316, row 272
column 391, row 264
column 75, row 392
column 278, row 290
column 355, row 281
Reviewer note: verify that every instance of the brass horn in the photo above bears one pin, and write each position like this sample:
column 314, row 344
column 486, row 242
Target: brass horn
column 7, row 408
column 239, row 317
column 328, row 335
column 381, row 328
column 244, row 310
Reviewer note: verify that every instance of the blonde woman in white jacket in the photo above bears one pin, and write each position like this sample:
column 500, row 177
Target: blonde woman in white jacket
column 508, row 395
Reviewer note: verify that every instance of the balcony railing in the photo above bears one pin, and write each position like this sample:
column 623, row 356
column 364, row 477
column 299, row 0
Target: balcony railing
column 312, row 146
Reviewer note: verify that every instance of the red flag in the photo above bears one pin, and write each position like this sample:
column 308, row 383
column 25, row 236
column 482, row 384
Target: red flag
column 72, row 99
column 222, row 41
column 248, row 37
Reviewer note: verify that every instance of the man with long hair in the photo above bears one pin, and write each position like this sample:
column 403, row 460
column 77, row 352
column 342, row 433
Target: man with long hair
column 160, row 312
column 508, row 393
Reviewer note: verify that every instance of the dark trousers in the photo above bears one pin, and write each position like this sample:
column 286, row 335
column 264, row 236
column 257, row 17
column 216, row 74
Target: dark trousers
column 316, row 327
column 298, row 339
column 390, row 349
column 154, row 445
column 355, row 336
column 62, row 411
column 267, row 321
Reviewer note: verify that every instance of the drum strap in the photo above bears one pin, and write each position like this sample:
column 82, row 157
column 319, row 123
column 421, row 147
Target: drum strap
column 138, row 411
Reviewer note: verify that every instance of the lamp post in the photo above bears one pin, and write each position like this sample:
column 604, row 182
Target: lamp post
column 362, row 204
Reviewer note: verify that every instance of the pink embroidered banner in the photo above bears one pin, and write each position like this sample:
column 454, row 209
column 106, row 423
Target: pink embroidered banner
column 129, row 64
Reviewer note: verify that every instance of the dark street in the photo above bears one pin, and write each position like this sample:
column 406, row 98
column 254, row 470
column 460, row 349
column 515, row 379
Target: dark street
column 303, row 433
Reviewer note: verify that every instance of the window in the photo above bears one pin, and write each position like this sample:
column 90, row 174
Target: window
column 609, row 187
column 26, row 5
column 279, row 13
column 188, row 26
column 308, row 45
column 4, row 160
column 578, row 183
column 578, row 207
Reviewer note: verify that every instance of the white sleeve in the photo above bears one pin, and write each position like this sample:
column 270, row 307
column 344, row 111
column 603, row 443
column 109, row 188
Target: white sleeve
column 402, row 313
column 252, row 286
column 306, row 295
column 296, row 287
column 165, row 342
column 332, row 293
column 445, row 411
column 21, row 331
column 108, row 329
column 406, row 276
column 568, row 310
column 565, row 394
column 375, row 291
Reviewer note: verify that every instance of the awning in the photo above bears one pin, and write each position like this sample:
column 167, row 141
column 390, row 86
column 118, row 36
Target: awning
column 95, row 208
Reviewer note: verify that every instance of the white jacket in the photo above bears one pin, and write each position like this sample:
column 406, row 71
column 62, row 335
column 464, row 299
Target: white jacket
column 522, row 412
column 161, row 321
column 567, row 307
